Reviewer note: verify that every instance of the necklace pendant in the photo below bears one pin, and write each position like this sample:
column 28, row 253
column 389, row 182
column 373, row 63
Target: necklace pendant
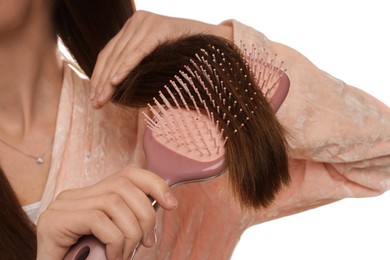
column 39, row 160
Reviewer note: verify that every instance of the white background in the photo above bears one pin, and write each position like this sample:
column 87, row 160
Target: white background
column 350, row 40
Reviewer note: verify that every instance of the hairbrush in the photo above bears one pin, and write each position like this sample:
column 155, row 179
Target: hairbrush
column 191, row 143
column 209, row 101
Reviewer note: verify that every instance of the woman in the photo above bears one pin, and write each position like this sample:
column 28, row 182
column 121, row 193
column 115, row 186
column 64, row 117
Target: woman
column 28, row 36
column 84, row 210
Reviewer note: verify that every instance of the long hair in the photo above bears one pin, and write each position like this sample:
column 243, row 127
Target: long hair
column 85, row 27
column 17, row 233
column 256, row 154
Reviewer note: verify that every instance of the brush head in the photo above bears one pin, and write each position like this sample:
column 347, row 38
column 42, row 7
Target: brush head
column 183, row 146
column 186, row 137
column 268, row 74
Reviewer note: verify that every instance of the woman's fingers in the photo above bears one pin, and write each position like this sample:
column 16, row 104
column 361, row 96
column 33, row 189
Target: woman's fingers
column 144, row 31
column 117, row 211
column 153, row 186
column 135, row 219
column 108, row 57
column 132, row 35
column 146, row 181
column 55, row 237
column 102, row 62
column 139, row 36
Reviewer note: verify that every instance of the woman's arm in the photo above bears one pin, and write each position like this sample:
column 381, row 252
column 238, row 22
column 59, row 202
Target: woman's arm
column 340, row 139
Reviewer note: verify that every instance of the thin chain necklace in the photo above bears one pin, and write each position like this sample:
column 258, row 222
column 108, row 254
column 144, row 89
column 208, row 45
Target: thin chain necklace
column 38, row 159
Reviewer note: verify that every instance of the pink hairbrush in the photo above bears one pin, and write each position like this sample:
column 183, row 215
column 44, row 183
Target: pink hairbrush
column 188, row 123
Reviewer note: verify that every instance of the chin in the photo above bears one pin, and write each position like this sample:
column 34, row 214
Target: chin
column 14, row 14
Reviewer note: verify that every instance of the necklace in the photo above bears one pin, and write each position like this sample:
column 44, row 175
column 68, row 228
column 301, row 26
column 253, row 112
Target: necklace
column 39, row 160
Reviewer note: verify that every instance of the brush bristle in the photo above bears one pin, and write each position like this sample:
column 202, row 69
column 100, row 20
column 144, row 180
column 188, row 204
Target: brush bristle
column 266, row 72
column 186, row 132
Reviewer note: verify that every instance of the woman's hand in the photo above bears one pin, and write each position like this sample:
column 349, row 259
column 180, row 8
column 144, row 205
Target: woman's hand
column 139, row 36
column 116, row 210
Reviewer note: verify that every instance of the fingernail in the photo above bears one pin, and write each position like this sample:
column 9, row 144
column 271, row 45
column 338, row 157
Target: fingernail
column 118, row 78
column 114, row 80
column 170, row 198
column 95, row 103
column 151, row 238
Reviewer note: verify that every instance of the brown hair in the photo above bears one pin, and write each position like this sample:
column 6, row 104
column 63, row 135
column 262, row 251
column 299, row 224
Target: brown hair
column 257, row 153
column 17, row 233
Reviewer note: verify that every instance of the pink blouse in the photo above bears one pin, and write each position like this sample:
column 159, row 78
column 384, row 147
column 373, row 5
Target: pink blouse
column 341, row 148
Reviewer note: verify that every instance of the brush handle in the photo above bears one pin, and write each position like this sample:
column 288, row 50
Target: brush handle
column 87, row 248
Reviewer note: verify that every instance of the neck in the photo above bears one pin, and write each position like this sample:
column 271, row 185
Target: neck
column 30, row 73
